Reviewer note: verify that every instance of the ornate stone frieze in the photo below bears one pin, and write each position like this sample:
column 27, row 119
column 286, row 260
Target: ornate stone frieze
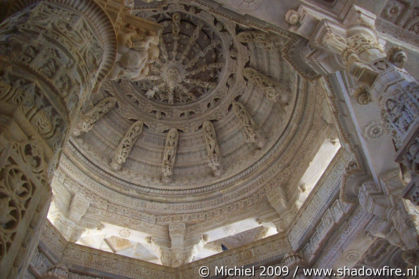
column 169, row 154
column 27, row 95
column 265, row 40
column 212, row 147
column 329, row 220
column 316, row 204
column 126, row 144
column 248, row 125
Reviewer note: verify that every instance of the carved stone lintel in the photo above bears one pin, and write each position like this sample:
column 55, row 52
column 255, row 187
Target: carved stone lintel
column 169, row 154
column 249, row 129
column 126, row 144
column 212, row 147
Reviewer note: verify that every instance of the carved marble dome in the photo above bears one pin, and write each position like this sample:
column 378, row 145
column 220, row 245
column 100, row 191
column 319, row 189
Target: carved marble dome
column 215, row 125
column 201, row 75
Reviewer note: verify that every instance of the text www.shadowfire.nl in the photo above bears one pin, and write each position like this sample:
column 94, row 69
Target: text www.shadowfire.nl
column 284, row 271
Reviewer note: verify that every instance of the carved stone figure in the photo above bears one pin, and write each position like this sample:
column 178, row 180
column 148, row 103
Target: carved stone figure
column 88, row 119
column 169, row 155
column 249, row 129
column 125, row 146
column 273, row 90
column 213, row 149
column 137, row 50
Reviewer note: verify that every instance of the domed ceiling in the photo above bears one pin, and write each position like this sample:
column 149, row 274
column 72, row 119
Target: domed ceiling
column 223, row 111
column 217, row 121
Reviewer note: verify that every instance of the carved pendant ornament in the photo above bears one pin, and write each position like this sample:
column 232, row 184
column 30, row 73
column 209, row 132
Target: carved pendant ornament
column 213, row 149
column 248, row 125
column 169, row 154
column 126, row 144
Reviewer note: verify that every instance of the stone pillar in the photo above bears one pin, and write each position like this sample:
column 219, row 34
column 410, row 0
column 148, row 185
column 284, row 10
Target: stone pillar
column 352, row 45
column 178, row 254
column 52, row 55
column 382, row 90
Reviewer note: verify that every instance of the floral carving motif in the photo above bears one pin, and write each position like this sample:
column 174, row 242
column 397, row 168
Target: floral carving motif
column 17, row 188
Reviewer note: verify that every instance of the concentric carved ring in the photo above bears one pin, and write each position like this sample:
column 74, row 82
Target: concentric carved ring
column 191, row 60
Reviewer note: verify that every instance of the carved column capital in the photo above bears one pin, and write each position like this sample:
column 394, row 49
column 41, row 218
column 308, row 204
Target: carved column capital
column 337, row 43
